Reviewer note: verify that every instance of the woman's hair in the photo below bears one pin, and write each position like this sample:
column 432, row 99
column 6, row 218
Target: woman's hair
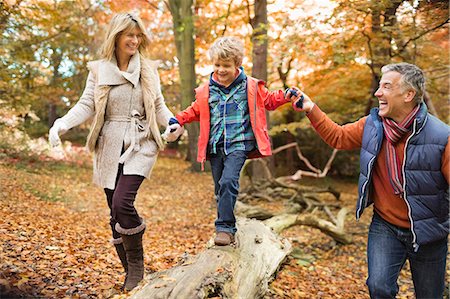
column 227, row 48
column 412, row 78
column 121, row 23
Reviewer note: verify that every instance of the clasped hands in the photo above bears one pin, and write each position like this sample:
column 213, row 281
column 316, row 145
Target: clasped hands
column 172, row 132
column 300, row 101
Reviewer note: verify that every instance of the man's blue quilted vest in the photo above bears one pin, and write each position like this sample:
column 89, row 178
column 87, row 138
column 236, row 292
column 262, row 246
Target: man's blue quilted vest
column 426, row 189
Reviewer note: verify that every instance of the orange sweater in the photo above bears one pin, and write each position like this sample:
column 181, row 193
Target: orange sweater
column 388, row 205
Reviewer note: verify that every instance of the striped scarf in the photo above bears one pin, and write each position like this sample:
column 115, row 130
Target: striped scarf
column 394, row 132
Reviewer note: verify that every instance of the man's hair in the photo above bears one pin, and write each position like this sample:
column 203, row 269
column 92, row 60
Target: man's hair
column 227, row 48
column 122, row 23
column 412, row 78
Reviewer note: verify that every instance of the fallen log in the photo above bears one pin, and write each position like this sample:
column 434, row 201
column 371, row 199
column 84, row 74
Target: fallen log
column 292, row 216
column 334, row 229
column 240, row 271
column 252, row 212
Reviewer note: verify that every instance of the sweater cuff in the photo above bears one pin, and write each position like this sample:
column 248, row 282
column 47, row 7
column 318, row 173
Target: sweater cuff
column 173, row 120
column 315, row 115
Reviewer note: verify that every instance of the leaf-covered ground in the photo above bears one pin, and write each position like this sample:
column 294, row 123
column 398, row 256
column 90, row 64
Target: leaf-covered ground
column 54, row 228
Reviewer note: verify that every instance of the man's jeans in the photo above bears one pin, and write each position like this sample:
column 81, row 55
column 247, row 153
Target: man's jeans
column 387, row 250
column 226, row 170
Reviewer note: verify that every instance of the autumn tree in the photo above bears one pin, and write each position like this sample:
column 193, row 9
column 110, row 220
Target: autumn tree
column 183, row 27
column 45, row 48
column 390, row 31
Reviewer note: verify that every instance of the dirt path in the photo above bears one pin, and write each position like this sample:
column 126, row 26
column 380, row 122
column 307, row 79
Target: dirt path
column 55, row 232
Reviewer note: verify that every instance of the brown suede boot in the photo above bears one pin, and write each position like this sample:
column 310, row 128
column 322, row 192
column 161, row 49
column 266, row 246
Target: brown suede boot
column 123, row 259
column 122, row 256
column 135, row 259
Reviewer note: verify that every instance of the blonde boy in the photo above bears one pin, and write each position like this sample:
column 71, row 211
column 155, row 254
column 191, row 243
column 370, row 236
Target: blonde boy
column 231, row 109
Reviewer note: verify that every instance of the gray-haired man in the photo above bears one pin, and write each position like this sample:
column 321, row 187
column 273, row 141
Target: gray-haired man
column 404, row 172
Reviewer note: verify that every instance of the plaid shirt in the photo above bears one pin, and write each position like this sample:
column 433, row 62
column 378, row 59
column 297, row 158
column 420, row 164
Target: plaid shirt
column 230, row 118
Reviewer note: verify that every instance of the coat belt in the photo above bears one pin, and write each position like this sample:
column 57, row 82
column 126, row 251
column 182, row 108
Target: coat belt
column 137, row 126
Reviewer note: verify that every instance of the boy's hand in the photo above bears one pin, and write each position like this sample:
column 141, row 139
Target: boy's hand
column 172, row 132
column 291, row 93
column 302, row 103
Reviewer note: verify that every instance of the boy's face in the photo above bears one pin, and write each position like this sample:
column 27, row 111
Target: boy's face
column 225, row 71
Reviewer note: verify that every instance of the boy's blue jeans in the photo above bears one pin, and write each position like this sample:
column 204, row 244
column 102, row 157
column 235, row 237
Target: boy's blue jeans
column 387, row 250
column 226, row 170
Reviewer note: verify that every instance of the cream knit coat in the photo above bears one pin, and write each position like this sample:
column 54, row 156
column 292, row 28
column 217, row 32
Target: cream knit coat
column 127, row 108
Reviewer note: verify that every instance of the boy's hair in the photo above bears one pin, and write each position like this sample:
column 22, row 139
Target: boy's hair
column 227, row 48
column 122, row 23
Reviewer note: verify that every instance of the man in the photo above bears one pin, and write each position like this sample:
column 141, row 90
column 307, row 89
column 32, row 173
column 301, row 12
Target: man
column 404, row 172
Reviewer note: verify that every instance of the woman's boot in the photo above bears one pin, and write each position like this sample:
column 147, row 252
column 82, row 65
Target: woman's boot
column 118, row 243
column 132, row 243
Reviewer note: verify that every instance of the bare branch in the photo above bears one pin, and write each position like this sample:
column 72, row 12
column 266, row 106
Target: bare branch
column 250, row 20
column 284, row 221
column 401, row 49
column 153, row 5
column 227, row 15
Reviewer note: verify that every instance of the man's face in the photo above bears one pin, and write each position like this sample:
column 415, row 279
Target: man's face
column 225, row 71
column 394, row 100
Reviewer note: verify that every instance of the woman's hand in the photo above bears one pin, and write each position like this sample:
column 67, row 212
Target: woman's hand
column 58, row 128
column 172, row 132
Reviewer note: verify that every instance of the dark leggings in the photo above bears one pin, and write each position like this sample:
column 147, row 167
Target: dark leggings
column 121, row 201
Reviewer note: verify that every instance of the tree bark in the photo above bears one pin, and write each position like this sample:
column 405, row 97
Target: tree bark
column 379, row 41
column 242, row 271
column 259, row 57
column 183, row 25
column 54, row 98
column 260, row 40
column 335, row 230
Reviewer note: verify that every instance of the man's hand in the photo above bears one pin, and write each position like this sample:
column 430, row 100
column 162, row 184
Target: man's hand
column 291, row 93
column 58, row 128
column 302, row 102
column 172, row 132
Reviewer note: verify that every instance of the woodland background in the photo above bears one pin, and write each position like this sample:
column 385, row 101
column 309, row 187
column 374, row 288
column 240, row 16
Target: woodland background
column 332, row 50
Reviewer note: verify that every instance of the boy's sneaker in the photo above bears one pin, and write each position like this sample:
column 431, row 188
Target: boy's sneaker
column 223, row 239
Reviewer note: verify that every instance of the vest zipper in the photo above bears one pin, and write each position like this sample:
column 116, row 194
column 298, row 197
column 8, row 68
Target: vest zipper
column 414, row 244
column 363, row 199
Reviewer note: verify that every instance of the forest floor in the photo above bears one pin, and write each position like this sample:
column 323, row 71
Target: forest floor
column 54, row 228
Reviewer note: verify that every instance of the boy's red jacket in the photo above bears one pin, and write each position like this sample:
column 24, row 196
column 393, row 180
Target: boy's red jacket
column 259, row 99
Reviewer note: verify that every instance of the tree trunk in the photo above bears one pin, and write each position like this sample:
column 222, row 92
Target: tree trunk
column 241, row 271
column 183, row 26
column 51, row 114
column 259, row 57
column 54, row 98
column 383, row 20
column 260, row 40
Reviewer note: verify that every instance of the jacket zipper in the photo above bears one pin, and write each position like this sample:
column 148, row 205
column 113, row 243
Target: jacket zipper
column 256, row 92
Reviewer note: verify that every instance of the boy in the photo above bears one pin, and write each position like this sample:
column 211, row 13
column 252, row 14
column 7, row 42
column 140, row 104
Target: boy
column 231, row 110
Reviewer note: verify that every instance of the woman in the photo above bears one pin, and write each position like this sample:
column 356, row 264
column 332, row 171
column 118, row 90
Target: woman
column 123, row 95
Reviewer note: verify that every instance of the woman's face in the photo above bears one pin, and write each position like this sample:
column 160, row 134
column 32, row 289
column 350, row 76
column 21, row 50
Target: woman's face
column 128, row 42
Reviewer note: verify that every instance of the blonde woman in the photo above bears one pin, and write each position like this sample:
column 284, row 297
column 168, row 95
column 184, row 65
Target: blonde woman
column 123, row 96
